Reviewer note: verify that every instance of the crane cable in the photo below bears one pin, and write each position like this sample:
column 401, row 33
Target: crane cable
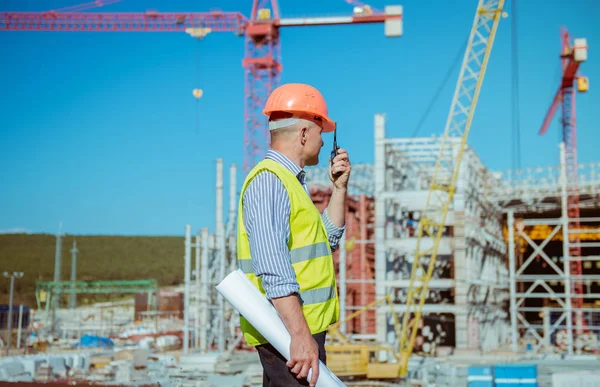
column 516, row 119
column 197, row 123
column 438, row 92
column 515, row 111
column 85, row 6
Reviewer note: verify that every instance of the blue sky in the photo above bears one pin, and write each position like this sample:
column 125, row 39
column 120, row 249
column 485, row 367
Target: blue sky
column 98, row 129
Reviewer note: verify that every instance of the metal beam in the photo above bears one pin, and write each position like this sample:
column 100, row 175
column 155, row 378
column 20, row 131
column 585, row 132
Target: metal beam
column 97, row 287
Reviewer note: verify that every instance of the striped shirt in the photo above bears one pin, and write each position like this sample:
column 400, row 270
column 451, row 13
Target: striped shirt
column 266, row 207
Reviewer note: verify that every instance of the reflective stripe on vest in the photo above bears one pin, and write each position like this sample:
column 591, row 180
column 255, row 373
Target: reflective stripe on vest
column 302, row 254
column 309, row 297
column 315, row 296
column 298, row 255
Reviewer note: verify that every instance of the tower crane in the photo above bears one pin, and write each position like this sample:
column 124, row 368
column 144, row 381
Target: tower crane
column 571, row 57
column 443, row 182
column 262, row 63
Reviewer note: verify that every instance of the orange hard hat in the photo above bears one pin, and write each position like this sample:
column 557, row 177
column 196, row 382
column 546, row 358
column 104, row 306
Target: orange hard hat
column 299, row 99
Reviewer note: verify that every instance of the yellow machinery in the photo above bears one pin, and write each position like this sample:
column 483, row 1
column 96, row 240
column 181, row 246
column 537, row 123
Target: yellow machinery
column 346, row 357
column 443, row 181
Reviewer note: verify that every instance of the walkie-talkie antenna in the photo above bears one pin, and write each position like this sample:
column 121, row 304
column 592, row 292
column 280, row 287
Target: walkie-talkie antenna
column 334, row 151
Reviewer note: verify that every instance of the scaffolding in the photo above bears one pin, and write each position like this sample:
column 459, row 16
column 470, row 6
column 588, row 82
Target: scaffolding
column 209, row 322
column 354, row 261
column 523, row 190
column 47, row 292
column 539, row 189
column 544, row 316
column 467, row 306
column 49, row 296
column 471, row 293
column 469, row 287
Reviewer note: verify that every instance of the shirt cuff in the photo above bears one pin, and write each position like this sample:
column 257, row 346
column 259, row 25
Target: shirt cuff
column 281, row 290
column 331, row 228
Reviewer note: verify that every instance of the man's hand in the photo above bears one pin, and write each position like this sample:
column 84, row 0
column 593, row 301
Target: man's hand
column 339, row 171
column 304, row 351
column 304, row 355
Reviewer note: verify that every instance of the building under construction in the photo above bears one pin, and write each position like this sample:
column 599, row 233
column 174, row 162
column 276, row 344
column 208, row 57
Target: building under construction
column 489, row 260
column 500, row 281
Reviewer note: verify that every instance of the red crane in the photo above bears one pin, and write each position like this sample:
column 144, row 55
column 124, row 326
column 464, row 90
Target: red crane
column 261, row 63
column 571, row 57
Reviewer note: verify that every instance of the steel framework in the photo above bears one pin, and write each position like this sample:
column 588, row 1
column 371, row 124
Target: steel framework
column 469, row 283
column 262, row 65
column 262, row 62
column 354, row 262
column 556, row 279
column 49, row 291
column 94, row 287
column 539, row 189
column 524, row 190
column 214, row 322
column 405, row 165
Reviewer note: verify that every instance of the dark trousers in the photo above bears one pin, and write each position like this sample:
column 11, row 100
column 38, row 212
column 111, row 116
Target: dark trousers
column 276, row 373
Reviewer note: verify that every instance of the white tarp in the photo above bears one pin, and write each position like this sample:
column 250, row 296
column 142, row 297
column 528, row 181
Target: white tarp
column 237, row 289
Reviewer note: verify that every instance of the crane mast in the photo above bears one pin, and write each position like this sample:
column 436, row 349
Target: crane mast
column 262, row 69
column 447, row 166
column 571, row 57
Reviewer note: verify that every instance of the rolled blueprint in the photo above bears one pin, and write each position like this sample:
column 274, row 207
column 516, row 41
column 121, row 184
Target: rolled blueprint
column 237, row 289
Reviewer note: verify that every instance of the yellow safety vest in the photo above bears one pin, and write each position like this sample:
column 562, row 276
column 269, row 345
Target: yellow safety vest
column 310, row 255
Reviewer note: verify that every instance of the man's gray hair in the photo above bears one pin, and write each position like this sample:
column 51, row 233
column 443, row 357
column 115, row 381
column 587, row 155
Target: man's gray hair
column 291, row 123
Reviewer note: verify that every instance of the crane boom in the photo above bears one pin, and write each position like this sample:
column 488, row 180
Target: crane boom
column 162, row 21
column 149, row 21
column 443, row 181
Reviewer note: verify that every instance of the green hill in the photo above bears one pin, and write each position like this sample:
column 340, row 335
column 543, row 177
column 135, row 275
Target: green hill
column 99, row 258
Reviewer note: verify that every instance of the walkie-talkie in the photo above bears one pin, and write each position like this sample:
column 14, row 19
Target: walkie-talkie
column 334, row 151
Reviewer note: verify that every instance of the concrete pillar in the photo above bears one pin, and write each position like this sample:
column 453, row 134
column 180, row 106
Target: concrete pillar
column 460, row 260
column 380, row 223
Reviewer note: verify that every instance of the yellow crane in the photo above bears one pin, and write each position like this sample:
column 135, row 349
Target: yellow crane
column 357, row 358
column 443, row 182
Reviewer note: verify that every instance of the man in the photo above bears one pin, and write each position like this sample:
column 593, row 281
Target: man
column 284, row 243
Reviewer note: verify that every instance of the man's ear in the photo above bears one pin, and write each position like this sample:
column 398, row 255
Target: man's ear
column 303, row 134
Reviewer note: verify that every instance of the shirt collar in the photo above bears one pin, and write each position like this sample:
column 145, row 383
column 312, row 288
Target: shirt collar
column 286, row 162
